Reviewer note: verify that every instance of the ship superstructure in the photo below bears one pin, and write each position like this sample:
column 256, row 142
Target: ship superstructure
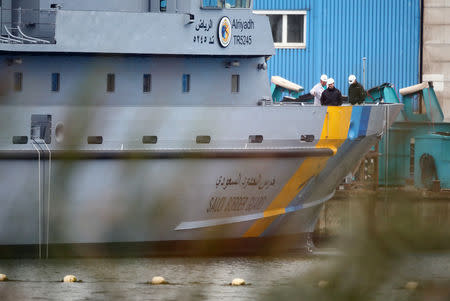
column 149, row 122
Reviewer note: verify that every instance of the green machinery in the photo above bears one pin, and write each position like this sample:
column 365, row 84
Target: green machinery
column 418, row 142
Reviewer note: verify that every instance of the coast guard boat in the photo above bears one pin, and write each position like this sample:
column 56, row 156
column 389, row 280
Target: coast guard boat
column 146, row 127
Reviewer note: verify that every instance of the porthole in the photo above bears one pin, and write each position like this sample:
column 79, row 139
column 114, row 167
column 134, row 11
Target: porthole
column 203, row 139
column 307, row 138
column 95, row 140
column 20, row 140
column 255, row 139
column 149, row 139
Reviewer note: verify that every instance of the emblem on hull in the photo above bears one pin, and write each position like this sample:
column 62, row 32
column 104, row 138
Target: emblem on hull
column 224, row 32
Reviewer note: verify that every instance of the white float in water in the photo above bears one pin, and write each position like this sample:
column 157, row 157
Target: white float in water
column 411, row 285
column 323, row 284
column 3, row 277
column 158, row 280
column 238, row 282
column 70, row 278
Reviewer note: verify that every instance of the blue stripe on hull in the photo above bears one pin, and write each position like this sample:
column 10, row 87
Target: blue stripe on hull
column 359, row 122
column 364, row 122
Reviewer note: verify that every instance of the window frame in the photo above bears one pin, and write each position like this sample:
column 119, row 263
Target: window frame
column 55, row 82
column 235, row 89
column 147, row 83
column 162, row 8
column 223, row 7
column 186, row 83
column 110, row 82
column 18, row 81
column 284, row 29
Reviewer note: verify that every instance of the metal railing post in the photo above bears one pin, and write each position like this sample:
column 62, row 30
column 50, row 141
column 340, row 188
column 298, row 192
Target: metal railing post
column 19, row 16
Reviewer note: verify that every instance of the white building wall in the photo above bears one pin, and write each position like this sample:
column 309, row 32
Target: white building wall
column 436, row 49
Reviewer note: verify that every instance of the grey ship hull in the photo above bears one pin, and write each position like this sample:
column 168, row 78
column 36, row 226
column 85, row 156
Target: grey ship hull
column 226, row 196
column 181, row 155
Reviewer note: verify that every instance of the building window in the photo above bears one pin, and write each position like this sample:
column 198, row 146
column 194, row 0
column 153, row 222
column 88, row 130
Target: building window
column 186, row 83
column 55, row 82
column 288, row 28
column 226, row 4
column 147, row 85
column 18, row 79
column 276, row 24
column 163, row 5
column 235, row 83
column 210, row 4
column 110, row 82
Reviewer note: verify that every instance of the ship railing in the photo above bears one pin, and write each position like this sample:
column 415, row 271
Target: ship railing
column 32, row 39
column 22, row 38
column 27, row 26
column 9, row 40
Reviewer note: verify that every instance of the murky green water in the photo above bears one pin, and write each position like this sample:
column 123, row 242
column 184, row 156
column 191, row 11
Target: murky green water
column 190, row 278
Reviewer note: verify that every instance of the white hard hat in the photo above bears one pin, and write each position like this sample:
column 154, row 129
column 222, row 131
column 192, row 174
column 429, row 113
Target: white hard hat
column 324, row 78
column 330, row 81
column 351, row 79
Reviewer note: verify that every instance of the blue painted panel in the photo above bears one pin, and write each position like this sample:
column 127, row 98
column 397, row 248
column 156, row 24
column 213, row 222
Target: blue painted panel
column 364, row 122
column 341, row 32
column 353, row 130
column 359, row 122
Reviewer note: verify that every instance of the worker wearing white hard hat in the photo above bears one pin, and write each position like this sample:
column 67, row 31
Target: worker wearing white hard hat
column 318, row 89
column 331, row 96
column 356, row 92
column 351, row 79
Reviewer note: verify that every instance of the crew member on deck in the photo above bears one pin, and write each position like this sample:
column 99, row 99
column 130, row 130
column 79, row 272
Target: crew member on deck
column 331, row 96
column 356, row 92
column 318, row 89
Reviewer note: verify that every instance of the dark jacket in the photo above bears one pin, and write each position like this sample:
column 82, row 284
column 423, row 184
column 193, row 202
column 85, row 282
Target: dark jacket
column 356, row 93
column 331, row 97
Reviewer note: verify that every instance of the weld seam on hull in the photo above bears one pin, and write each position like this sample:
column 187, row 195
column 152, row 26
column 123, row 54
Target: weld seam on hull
column 172, row 154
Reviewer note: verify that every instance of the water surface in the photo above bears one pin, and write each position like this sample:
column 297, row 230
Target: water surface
column 190, row 278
